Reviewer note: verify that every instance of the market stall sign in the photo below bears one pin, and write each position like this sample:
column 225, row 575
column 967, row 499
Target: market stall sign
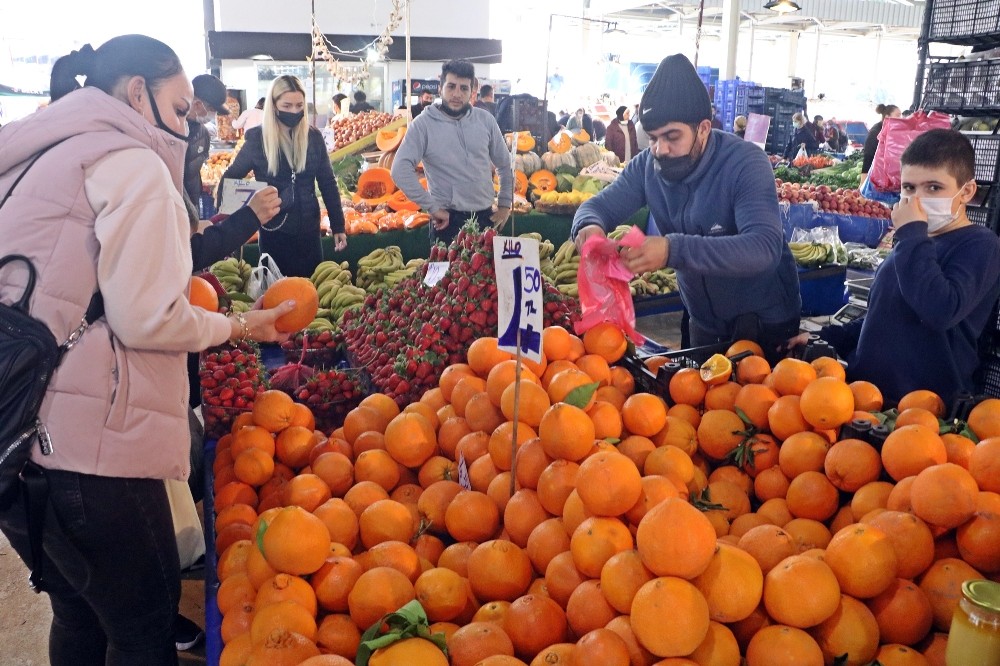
column 519, row 296
column 757, row 127
column 436, row 270
column 237, row 193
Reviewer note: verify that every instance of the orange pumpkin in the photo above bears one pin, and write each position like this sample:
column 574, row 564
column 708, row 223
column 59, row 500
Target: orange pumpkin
column 399, row 201
column 525, row 141
column 388, row 140
column 520, row 183
column 543, row 180
column 374, row 186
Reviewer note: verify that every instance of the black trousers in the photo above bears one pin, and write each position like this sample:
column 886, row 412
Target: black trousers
column 111, row 569
column 457, row 219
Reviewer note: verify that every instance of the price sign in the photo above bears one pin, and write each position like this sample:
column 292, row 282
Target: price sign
column 237, row 193
column 436, row 270
column 519, row 295
column 757, row 127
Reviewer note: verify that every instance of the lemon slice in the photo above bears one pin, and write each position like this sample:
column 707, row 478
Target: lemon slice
column 716, row 370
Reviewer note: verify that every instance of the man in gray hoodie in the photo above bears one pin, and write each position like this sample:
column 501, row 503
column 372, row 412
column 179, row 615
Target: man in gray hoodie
column 459, row 145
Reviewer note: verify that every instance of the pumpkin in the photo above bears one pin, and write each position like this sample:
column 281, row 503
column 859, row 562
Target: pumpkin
column 587, row 154
column 399, row 201
column 388, row 140
column 529, row 163
column 560, row 162
column 580, row 137
column 611, row 159
column 385, row 159
column 374, row 186
column 543, row 180
column 520, row 183
column 561, row 143
column 525, row 141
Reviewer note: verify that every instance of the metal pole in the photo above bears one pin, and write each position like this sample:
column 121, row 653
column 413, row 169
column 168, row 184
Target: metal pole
column 545, row 94
column 697, row 34
column 406, row 93
column 923, row 51
column 312, row 67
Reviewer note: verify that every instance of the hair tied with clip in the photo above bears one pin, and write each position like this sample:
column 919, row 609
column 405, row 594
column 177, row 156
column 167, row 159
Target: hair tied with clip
column 85, row 60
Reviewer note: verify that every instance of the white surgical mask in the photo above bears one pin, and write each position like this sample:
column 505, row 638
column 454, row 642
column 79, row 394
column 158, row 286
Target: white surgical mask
column 938, row 211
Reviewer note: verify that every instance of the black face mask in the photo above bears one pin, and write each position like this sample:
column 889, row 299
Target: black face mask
column 289, row 119
column 456, row 114
column 676, row 169
column 159, row 121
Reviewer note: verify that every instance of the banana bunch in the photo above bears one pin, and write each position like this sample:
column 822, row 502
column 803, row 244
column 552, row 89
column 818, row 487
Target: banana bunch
column 545, row 251
column 233, row 274
column 640, row 286
column 320, row 324
column 328, row 271
column 237, row 307
column 619, row 232
column 404, row 273
column 565, row 264
column 816, row 254
column 373, row 269
column 664, row 278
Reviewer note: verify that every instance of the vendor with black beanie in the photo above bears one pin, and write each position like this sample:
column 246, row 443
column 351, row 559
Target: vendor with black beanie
column 715, row 208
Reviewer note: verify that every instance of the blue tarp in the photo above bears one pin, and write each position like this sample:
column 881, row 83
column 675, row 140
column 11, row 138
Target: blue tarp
column 851, row 229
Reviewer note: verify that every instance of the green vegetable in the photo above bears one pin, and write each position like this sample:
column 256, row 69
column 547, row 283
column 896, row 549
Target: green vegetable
column 788, row 174
column 347, row 171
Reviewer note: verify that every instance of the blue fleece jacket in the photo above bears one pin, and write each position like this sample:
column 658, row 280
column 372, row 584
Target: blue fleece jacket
column 726, row 239
column 928, row 305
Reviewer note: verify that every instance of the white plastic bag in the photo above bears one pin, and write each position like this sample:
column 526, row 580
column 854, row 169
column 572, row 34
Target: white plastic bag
column 803, row 153
column 262, row 277
column 187, row 527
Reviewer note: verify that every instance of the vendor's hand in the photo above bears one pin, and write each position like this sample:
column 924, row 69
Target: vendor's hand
column 500, row 218
column 906, row 210
column 798, row 341
column 340, row 242
column 265, row 203
column 650, row 256
column 260, row 323
column 585, row 233
column 440, row 219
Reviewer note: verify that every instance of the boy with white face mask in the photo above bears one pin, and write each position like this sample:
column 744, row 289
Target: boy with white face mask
column 933, row 295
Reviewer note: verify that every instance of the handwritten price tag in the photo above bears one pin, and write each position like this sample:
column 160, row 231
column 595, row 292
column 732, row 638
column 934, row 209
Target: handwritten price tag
column 519, row 295
column 436, row 270
column 237, row 193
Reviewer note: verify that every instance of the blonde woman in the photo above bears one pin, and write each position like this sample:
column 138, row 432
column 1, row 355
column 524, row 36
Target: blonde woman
column 289, row 154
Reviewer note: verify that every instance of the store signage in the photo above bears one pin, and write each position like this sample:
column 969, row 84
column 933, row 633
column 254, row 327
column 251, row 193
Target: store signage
column 757, row 127
column 435, row 271
column 519, row 296
column 237, row 193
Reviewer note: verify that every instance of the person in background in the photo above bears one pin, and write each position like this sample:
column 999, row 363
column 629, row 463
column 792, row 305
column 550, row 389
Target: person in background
column 111, row 192
column 339, row 110
column 802, row 137
column 641, row 138
column 289, row 154
column 426, row 99
column 835, row 137
column 459, row 146
column 714, row 206
column 250, row 118
column 209, row 99
column 932, row 297
column 871, row 141
column 580, row 120
column 716, row 123
column 600, row 130
column 818, row 126
column 486, row 99
column 361, row 103
column 621, row 139
column 740, row 126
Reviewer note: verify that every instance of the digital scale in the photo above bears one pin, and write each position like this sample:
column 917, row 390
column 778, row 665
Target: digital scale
column 857, row 304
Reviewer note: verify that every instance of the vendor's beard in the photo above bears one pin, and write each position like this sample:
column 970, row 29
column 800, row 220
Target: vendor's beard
column 456, row 114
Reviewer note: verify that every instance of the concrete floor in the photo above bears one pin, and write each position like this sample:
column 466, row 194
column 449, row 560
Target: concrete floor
column 24, row 623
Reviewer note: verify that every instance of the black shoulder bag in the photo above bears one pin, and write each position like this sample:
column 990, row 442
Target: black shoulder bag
column 29, row 355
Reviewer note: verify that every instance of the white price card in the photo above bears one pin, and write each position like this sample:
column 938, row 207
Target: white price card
column 435, row 271
column 519, row 295
column 237, row 193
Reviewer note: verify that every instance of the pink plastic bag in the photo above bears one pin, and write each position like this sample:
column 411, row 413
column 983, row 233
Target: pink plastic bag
column 603, row 282
column 896, row 135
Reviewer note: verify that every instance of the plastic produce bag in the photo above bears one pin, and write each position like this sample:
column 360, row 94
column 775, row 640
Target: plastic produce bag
column 262, row 277
column 869, row 191
column 603, row 284
column 896, row 135
column 803, row 154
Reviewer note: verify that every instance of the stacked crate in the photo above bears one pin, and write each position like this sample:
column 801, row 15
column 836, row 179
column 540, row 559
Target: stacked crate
column 732, row 99
column 781, row 104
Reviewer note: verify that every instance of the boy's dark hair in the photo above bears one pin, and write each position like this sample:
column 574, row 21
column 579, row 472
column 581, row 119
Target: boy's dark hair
column 339, row 98
column 360, row 96
column 462, row 69
column 485, row 90
column 943, row 149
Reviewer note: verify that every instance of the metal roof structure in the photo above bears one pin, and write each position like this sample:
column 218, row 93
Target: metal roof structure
column 889, row 18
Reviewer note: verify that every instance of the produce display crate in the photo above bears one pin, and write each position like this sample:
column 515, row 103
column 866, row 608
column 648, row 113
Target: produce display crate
column 822, row 290
column 970, row 22
column 987, row 147
column 330, row 415
column 969, row 87
column 659, row 383
column 989, row 378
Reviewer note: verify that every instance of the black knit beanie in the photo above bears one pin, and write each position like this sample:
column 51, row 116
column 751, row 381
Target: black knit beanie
column 674, row 94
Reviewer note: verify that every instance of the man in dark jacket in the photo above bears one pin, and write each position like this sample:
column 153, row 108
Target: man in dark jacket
column 209, row 100
column 361, row 103
column 713, row 201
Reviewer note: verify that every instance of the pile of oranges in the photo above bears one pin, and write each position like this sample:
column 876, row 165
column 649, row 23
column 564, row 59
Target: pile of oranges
column 729, row 524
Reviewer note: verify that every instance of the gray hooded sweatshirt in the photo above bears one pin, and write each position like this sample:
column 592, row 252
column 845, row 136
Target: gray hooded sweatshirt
column 458, row 156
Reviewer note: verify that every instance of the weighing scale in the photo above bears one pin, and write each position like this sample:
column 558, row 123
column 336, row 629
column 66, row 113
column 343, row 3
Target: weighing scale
column 857, row 303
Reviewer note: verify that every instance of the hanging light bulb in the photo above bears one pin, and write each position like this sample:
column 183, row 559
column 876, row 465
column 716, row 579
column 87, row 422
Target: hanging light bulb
column 783, row 6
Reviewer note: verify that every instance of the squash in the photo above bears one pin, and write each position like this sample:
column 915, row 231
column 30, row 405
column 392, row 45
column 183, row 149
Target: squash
column 561, row 142
column 611, row 159
column 587, row 154
column 560, row 162
column 580, row 137
column 525, row 141
column 543, row 180
column 374, row 186
column 399, row 201
column 388, row 140
column 520, row 183
column 529, row 163
column 385, row 159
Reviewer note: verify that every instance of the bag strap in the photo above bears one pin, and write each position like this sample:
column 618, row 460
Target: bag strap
column 27, row 169
column 36, row 498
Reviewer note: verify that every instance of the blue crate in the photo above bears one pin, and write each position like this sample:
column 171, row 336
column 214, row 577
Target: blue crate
column 822, row 290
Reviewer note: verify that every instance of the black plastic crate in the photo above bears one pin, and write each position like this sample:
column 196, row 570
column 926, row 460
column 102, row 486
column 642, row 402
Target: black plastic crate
column 659, row 383
column 987, row 147
column 963, row 86
column 982, row 216
column 989, row 378
column 975, row 22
